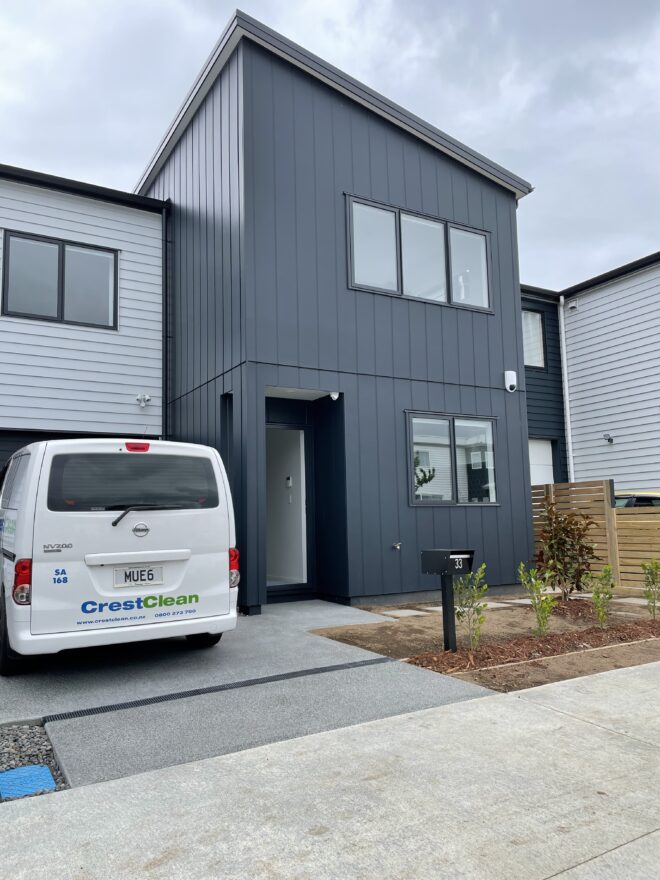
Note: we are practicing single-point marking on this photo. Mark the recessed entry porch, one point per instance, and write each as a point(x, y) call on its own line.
point(305, 490)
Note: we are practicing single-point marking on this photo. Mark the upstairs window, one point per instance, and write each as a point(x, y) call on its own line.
point(395, 251)
point(59, 281)
point(533, 339)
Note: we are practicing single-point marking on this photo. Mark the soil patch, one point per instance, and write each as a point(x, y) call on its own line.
point(532, 673)
point(408, 636)
point(523, 660)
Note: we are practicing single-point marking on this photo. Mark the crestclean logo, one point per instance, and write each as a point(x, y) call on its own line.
point(93, 607)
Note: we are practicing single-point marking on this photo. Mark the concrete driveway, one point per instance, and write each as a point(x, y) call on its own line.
point(120, 711)
point(560, 781)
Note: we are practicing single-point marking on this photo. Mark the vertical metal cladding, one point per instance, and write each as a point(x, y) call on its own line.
point(545, 402)
point(260, 298)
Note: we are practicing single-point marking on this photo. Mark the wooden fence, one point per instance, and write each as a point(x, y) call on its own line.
point(638, 530)
point(624, 537)
point(595, 499)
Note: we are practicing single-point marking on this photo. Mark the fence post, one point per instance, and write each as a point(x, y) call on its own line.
point(611, 532)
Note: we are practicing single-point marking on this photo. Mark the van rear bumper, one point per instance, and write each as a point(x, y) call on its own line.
point(24, 642)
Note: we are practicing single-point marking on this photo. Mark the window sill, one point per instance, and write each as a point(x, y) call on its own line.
point(452, 504)
point(114, 328)
point(482, 310)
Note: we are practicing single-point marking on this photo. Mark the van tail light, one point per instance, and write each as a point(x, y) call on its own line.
point(234, 573)
point(137, 447)
point(22, 589)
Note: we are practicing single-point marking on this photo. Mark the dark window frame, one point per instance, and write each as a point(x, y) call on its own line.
point(447, 224)
point(410, 451)
point(62, 244)
point(544, 368)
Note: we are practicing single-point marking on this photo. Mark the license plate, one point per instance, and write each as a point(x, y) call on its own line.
point(139, 576)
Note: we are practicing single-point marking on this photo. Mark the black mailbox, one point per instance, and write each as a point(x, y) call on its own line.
point(448, 564)
point(453, 562)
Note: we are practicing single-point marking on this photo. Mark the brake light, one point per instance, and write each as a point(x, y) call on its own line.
point(137, 447)
point(22, 589)
point(234, 573)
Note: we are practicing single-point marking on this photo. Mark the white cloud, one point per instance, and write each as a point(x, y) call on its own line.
point(566, 96)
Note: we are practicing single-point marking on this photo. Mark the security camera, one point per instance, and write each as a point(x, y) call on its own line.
point(334, 395)
point(510, 380)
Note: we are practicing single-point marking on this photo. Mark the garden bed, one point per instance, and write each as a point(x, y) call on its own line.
point(511, 656)
point(533, 647)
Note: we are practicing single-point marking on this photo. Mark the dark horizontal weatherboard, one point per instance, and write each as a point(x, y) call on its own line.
point(243, 26)
point(77, 187)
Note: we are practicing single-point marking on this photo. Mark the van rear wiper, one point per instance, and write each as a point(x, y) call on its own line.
point(131, 507)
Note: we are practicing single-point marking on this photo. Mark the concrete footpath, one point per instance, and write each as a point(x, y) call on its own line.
point(559, 781)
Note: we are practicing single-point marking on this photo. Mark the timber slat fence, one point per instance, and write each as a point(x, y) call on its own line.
point(624, 537)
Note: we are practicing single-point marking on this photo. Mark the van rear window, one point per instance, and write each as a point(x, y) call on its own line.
point(116, 480)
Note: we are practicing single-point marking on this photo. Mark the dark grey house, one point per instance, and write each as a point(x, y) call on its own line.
point(544, 385)
point(344, 303)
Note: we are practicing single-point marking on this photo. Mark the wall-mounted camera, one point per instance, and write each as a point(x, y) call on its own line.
point(510, 380)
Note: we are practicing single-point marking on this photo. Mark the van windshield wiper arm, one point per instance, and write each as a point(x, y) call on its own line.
point(131, 507)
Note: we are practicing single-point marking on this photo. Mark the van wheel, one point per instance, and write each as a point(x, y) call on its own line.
point(203, 640)
point(10, 661)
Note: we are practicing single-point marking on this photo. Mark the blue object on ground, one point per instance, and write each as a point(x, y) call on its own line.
point(25, 780)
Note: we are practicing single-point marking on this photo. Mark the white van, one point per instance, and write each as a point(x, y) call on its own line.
point(109, 541)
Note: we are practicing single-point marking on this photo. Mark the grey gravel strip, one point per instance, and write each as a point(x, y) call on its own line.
point(214, 689)
point(22, 745)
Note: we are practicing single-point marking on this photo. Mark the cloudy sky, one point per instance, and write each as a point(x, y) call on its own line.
point(564, 93)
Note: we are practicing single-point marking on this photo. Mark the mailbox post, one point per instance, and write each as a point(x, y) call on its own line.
point(448, 564)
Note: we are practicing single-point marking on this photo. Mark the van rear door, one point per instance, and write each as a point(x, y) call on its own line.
point(98, 563)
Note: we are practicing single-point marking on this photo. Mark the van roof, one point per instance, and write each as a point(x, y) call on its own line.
point(91, 442)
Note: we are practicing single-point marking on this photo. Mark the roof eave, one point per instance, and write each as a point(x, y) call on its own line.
point(80, 188)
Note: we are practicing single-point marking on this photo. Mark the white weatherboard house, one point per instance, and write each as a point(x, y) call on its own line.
point(81, 325)
point(612, 346)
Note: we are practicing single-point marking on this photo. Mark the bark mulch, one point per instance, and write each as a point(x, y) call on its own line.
point(534, 647)
point(575, 609)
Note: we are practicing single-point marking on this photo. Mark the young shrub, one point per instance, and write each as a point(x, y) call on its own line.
point(602, 586)
point(565, 554)
point(469, 590)
point(652, 585)
point(536, 587)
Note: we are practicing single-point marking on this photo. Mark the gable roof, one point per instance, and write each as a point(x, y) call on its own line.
point(242, 26)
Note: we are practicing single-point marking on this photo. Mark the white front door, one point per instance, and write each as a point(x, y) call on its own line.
point(540, 462)
point(286, 507)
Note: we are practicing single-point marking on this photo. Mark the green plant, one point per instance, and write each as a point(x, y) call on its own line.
point(422, 475)
point(602, 586)
point(536, 587)
point(565, 554)
point(652, 585)
point(469, 590)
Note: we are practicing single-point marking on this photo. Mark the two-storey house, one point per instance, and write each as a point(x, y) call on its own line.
point(344, 305)
point(593, 366)
point(81, 330)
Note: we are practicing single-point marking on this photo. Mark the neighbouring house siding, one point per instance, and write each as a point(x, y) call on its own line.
point(545, 396)
point(62, 378)
point(613, 358)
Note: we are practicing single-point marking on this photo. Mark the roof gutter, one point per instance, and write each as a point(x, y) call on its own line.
point(566, 391)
